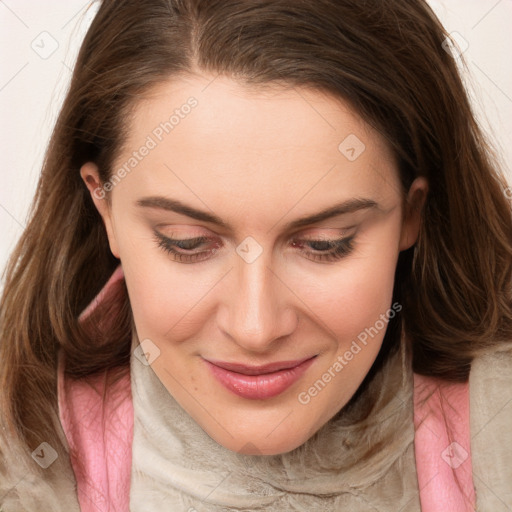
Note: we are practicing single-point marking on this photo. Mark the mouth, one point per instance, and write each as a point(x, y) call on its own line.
point(259, 382)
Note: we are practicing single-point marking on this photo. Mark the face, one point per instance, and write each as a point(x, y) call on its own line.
point(259, 232)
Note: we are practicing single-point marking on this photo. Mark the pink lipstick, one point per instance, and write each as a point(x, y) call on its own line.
point(259, 382)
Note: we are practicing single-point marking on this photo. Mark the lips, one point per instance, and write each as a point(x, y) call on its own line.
point(259, 382)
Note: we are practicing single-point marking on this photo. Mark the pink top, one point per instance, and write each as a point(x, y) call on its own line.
point(442, 445)
point(98, 423)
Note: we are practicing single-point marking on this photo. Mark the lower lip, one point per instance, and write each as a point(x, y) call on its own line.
point(259, 387)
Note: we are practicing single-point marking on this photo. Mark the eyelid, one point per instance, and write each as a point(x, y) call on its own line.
point(310, 233)
point(340, 234)
point(337, 233)
point(182, 231)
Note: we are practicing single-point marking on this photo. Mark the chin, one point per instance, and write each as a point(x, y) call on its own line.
point(258, 441)
point(252, 446)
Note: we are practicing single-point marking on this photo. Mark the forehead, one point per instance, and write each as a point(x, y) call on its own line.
point(209, 135)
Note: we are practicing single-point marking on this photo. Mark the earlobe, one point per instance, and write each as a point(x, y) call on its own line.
point(90, 175)
point(415, 201)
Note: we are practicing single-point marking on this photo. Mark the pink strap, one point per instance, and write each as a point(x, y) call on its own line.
point(442, 445)
point(97, 419)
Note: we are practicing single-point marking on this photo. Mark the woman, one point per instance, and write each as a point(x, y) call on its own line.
point(268, 268)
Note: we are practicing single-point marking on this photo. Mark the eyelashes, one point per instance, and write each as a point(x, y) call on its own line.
point(170, 246)
point(186, 250)
point(326, 250)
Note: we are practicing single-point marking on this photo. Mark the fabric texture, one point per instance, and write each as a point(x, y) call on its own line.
point(490, 382)
point(97, 418)
point(96, 413)
point(33, 488)
point(442, 444)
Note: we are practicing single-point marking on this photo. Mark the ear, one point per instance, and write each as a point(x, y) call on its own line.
point(91, 177)
point(414, 203)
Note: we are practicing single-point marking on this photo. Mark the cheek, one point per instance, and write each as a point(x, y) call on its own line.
point(356, 306)
point(161, 293)
point(351, 299)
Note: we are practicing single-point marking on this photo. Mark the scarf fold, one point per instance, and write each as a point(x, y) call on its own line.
point(490, 383)
point(361, 459)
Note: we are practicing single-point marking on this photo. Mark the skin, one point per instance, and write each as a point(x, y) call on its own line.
point(257, 159)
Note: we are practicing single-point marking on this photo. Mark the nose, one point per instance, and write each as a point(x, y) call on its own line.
point(258, 311)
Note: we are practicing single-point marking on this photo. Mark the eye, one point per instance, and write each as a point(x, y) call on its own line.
point(326, 250)
point(170, 246)
point(323, 250)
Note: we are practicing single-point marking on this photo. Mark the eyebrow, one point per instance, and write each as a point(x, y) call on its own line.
point(173, 205)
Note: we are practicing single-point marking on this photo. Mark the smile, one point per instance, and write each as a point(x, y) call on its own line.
point(259, 382)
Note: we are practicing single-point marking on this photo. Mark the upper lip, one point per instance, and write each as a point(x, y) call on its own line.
point(261, 369)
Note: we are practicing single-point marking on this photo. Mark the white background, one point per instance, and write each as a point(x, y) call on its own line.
point(32, 84)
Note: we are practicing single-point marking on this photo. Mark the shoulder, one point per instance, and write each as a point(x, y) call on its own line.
point(25, 488)
point(490, 385)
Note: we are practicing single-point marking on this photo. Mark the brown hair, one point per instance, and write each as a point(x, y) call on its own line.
point(385, 58)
